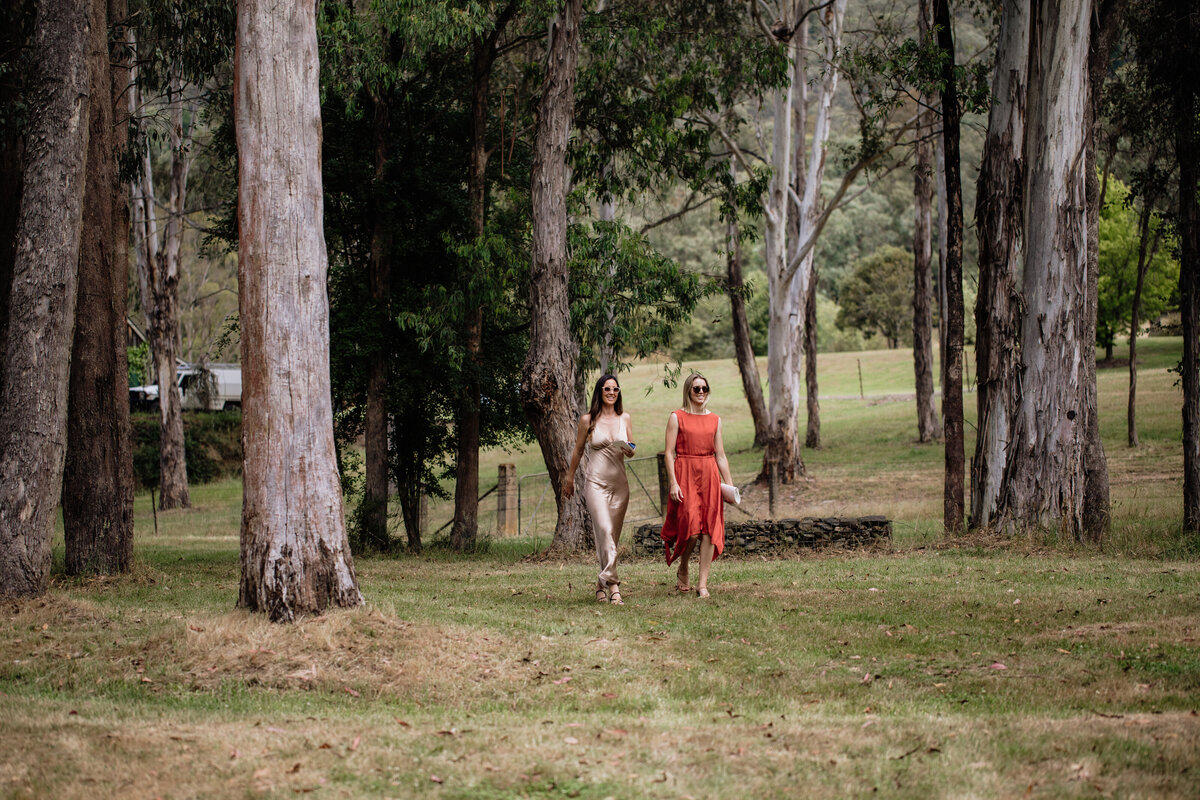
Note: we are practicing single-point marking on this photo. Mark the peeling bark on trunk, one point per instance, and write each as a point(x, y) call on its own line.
point(998, 306)
point(548, 377)
point(952, 397)
point(42, 301)
point(1044, 487)
point(295, 558)
point(97, 497)
point(375, 488)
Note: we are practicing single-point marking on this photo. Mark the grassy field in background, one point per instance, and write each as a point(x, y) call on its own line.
point(926, 669)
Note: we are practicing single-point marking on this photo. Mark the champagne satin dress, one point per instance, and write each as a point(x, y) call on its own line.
point(606, 493)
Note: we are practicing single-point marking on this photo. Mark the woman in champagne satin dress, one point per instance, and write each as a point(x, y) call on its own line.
point(606, 433)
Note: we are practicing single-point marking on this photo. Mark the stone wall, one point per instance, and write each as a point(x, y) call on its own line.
point(765, 536)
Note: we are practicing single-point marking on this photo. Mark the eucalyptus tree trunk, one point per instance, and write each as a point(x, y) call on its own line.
point(790, 268)
point(812, 437)
point(1044, 483)
point(375, 487)
point(548, 377)
point(1097, 509)
point(1187, 149)
point(33, 395)
point(747, 365)
point(999, 226)
point(1146, 253)
point(952, 394)
point(465, 531)
point(295, 558)
point(157, 264)
point(929, 427)
point(97, 497)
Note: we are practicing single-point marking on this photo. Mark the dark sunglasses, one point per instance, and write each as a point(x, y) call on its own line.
point(701, 389)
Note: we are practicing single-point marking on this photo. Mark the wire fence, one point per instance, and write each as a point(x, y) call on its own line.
point(537, 511)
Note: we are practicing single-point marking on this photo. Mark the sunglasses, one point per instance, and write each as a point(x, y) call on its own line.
point(612, 389)
point(701, 389)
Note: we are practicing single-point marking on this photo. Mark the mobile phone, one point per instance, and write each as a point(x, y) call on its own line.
point(632, 446)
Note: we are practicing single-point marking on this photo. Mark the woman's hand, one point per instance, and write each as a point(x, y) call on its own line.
point(568, 487)
point(676, 493)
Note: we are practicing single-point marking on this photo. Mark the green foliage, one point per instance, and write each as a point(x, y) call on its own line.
point(625, 294)
point(212, 443)
point(139, 364)
point(1119, 245)
point(877, 296)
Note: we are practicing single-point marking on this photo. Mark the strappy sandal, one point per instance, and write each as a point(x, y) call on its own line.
point(702, 594)
point(601, 595)
point(682, 585)
point(615, 599)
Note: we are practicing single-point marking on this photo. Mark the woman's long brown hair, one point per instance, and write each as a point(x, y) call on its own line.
point(598, 402)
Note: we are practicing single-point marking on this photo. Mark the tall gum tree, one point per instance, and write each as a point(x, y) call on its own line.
point(1044, 485)
point(929, 427)
point(789, 264)
point(295, 558)
point(97, 497)
point(156, 250)
point(999, 225)
point(33, 395)
point(548, 379)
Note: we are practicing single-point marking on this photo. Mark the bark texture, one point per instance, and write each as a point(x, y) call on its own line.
point(952, 393)
point(929, 426)
point(42, 301)
point(999, 224)
point(97, 497)
point(295, 558)
point(812, 436)
point(1044, 488)
point(548, 377)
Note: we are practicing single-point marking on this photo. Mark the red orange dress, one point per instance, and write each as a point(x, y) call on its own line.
point(701, 511)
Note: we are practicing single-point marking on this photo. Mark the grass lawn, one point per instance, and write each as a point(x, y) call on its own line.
point(970, 669)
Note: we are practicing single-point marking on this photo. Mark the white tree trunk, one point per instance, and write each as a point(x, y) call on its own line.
point(294, 554)
point(789, 268)
point(1046, 473)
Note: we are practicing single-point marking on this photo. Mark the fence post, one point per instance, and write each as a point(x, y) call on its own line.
point(772, 485)
point(664, 483)
point(506, 500)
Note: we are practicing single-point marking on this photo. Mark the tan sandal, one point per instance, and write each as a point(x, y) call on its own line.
point(601, 595)
point(615, 598)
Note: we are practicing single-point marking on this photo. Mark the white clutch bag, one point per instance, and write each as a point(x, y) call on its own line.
point(731, 494)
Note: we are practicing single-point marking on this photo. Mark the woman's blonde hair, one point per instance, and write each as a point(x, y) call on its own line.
point(687, 389)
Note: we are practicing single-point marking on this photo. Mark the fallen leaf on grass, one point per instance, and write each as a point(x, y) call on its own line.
point(196, 628)
point(401, 722)
point(571, 740)
point(436, 779)
point(295, 768)
point(351, 692)
point(997, 665)
point(563, 680)
point(1064, 652)
point(354, 744)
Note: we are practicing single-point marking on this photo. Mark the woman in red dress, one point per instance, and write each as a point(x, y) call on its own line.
point(696, 465)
